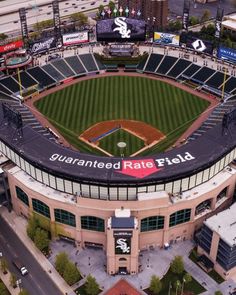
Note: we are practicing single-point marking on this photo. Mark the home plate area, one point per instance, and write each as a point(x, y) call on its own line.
point(137, 136)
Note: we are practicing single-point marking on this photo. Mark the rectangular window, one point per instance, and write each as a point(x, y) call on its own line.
point(64, 217)
point(179, 217)
point(92, 223)
point(68, 186)
point(152, 223)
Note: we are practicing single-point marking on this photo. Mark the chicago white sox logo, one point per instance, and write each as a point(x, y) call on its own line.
point(122, 244)
point(122, 27)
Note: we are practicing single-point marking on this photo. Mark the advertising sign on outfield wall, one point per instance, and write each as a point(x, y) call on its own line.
point(11, 46)
point(75, 38)
point(166, 39)
point(227, 54)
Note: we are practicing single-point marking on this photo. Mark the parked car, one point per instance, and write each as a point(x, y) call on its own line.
point(20, 266)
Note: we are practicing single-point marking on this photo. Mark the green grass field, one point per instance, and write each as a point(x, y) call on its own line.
point(76, 108)
point(133, 143)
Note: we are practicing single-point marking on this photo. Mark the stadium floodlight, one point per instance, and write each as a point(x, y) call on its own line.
point(115, 11)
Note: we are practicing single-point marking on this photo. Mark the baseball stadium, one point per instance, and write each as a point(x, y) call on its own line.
point(97, 155)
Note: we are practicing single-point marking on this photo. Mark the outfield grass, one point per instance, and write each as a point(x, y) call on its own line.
point(76, 108)
point(109, 143)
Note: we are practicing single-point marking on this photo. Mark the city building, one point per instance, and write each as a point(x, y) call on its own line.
point(218, 242)
point(154, 12)
point(229, 22)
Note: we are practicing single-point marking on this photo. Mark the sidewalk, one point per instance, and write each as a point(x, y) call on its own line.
point(18, 224)
point(6, 280)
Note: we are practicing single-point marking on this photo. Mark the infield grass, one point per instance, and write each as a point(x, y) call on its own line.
point(76, 108)
point(133, 143)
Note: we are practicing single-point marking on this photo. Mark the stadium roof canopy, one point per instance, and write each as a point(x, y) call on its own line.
point(174, 164)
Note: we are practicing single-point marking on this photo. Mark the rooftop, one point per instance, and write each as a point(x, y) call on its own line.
point(225, 224)
point(122, 287)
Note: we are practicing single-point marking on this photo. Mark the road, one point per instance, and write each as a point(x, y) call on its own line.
point(11, 22)
point(176, 7)
point(37, 282)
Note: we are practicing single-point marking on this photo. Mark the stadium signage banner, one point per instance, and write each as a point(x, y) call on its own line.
point(198, 44)
point(11, 46)
point(122, 242)
point(166, 39)
point(121, 29)
point(186, 10)
point(75, 38)
point(43, 45)
point(136, 168)
point(227, 54)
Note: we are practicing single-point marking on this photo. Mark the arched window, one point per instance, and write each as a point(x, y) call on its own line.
point(203, 206)
point(65, 217)
point(21, 195)
point(122, 259)
point(41, 208)
point(92, 223)
point(179, 217)
point(152, 223)
point(222, 194)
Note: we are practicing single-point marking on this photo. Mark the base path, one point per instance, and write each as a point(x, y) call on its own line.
point(140, 129)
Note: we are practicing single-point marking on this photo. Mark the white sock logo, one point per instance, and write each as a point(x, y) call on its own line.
point(122, 27)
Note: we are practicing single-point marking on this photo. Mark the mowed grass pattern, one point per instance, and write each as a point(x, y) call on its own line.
point(78, 107)
point(133, 143)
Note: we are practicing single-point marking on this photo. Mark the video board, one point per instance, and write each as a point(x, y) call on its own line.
point(121, 29)
point(166, 39)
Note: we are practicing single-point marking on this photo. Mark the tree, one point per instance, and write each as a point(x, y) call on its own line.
point(3, 265)
point(3, 36)
point(193, 20)
point(91, 286)
point(33, 224)
point(79, 18)
point(218, 293)
point(13, 280)
point(23, 292)
point(155, 285)
point(71, 273)
point(187, 278)
point(111, 5)
point(3, 289)
point(41, 239)
point(61, 262)
point(177, 265)
point(205, 16)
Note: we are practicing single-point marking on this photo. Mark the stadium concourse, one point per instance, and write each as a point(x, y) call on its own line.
point(93, 201)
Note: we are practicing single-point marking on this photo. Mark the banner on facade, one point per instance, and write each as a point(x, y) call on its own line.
point(11, 46)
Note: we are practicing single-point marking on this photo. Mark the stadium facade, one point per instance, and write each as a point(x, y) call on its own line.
point(121, 205)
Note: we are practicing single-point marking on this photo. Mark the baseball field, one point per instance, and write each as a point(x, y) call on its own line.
point(78, 107)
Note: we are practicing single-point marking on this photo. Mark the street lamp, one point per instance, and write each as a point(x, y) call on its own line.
point(170, 287)
point(182, 291)
point(177, 286)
